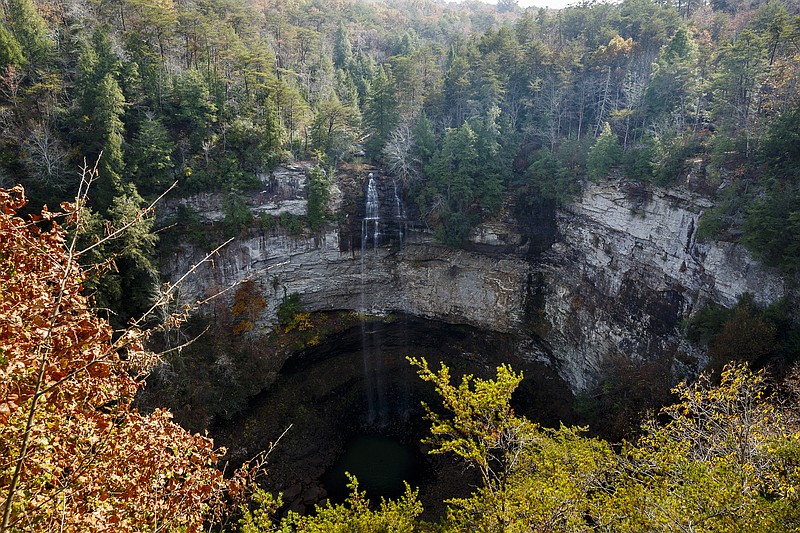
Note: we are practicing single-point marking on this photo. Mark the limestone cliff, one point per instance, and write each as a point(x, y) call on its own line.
point(628, 269)
point(625, 270)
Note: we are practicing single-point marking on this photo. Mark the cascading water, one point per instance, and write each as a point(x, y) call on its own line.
point(374, 374)
point(399, 214)
point(372, 212)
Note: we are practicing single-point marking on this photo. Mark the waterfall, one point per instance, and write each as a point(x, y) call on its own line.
point(399, 214)
point(371, 213)
point(398, 205)
point(374, 372)
point(373, 202)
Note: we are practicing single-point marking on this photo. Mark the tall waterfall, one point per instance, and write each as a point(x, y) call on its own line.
point(371, 213)
point(399, 213)
point(374, 372)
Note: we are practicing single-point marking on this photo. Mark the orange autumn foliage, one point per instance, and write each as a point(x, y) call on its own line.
point(93, 463)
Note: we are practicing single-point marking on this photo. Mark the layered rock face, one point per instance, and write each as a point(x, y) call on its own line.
point(405, 271)
point(625, 271)
point(628, 269)
point(421, 279)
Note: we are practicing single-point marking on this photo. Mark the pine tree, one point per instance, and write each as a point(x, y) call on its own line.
point(604, 154)
point(30, 31)
point(342, 49)
point(380, 113)
point(150, 158)
point(10, 50)
point(106, 120)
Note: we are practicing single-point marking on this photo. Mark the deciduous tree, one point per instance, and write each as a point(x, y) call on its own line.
point(75, 455)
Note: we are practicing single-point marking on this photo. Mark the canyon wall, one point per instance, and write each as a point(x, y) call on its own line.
point(626, 269)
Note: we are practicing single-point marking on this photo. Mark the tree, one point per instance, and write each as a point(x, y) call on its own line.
point(533, 479)
point(673, 90)
point(725, 460)
point(741, 71)
point(106, 119)
point(424, 140)
point(604, 154)
point(548, 180)
point(483, 429)
point(195, 110)
point(318, 196)
point(10, 50)
point(356, 514)
point(399, 157)
point(342, 49)
point(380, 113)
point(335, 127)
point(30, 31)
point(150, 157)
point(248, 304)
point(76, 455)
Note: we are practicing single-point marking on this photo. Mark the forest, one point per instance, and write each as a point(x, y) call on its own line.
point(478, 110)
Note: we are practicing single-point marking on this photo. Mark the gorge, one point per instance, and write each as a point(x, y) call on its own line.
point(616, 276)
point(625, 268)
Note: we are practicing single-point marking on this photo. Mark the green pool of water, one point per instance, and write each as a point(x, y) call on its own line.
point(381, 465)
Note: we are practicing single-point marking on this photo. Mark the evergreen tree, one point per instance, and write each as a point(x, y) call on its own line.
point(380, 113)
point(10, 50)
point(424, 140)
point(604, 154)
point(318, 195)
point(195, 111)
point(106, 124)
point(30, 31)
point(342, 49)
point(150, 158)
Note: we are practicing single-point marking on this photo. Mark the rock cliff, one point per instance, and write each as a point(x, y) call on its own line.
point(625, 271)
point(628, 269)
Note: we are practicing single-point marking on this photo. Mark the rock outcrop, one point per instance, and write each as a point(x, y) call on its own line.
point(421, 278)
point(625, 271)
point(628, 269)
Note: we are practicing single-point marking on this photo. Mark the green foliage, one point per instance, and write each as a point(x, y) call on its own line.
point(357, 515)
point(10, 49)
point(258, 516)
point(720, 462)
point(604, 154)
point(673, 91)
point(726, 447)
point(746, 332)
point(289, 307)
point(318, 196)
point(424, 140)
point(342, 49)
point(463, 181)
point(637, 161)
point(482, 427)
point(772, 222)
point(380, 112)
point(707, 322)
point(780, 147)
point(670, 155)
point(150, 158)
point(335, 128)
point(238, 216)
point(548, 180)
point(254, 144)
point(30, 31)
point(194, 110)
point(726, 215)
